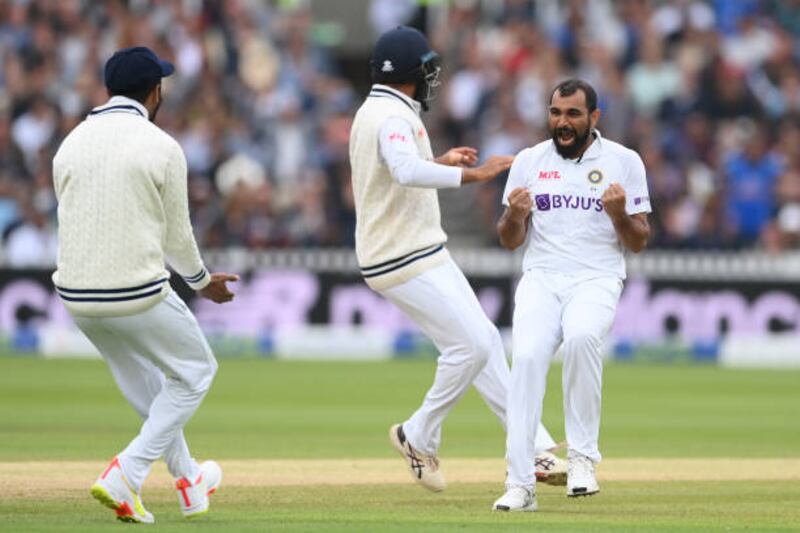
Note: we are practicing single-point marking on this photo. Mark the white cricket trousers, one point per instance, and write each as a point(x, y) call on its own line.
point(164, 367)
point(442, 303)
point(550, 308)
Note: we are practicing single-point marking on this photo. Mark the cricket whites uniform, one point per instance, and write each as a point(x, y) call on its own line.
point(573, 271)
point(123, 208)
point(401, 253)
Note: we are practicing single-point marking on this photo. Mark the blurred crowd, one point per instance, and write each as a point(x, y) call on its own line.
point(708, 92)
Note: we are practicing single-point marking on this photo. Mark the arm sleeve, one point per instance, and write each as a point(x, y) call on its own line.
point(637, 197)
point(399, 152)
point(179, 244)
point(516, 177)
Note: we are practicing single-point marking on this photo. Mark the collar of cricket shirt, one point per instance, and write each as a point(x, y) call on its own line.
point(384, 91)
point(120, 104)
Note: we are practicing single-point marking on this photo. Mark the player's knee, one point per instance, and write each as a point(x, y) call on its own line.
point(199, 381)
point(208, 377)
point(142, 409)
point(531, 358)
point(584, 341)
point(481, 346)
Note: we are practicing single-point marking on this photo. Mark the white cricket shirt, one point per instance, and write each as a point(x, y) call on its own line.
point(569, 231)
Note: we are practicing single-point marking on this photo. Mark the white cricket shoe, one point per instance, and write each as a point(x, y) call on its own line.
point(113, 490)
point(193, 496)
point(580, 476)
point(516, 498)
point(551, 469)
point(424, 468)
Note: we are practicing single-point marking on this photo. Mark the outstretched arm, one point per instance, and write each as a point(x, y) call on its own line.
point(401, 155)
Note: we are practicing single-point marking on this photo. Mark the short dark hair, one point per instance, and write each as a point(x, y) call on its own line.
point(569, 87)
point(140, 95)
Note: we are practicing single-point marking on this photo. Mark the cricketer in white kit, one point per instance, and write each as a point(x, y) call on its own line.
point(121, 185)
point(580, 201)
point(400, 246)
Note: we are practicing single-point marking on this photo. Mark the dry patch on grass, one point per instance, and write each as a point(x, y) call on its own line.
point(57, 479)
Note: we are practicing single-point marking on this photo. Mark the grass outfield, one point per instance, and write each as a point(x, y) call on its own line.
point(71, 412)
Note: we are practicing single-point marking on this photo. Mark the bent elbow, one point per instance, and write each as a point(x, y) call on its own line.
point(508, 244)
point(401, 178)
point(638, 246)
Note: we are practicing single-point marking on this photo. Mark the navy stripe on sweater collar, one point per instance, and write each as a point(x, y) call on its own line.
point(100, 111)
point(120, 104)
point(383, 91)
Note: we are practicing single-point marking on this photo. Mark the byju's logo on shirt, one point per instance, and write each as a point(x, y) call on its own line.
point(546, 202)
point(542, 202)
point(549, 175)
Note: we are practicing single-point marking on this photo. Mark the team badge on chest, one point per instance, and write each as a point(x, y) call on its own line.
point(595, 177)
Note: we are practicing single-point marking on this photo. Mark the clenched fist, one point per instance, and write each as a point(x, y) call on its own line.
point(519, 203)
point(614, 201)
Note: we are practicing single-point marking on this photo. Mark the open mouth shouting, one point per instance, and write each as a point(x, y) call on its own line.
point(569, 141)
point(565, 135)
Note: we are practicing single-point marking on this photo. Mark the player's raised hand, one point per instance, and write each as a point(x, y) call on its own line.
point(461, 156)
point(614, 201)
point(519, 203)
point(217, 290)
point(488, 170)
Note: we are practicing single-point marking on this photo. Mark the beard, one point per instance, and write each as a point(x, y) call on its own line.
point(570, 151)
point(155, 111)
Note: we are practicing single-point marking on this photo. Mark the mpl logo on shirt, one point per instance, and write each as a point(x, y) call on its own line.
point(549, 175)
point(546, 202)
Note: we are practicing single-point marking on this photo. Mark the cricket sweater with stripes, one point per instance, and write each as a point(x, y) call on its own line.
point(121, 185)
point(398, 228)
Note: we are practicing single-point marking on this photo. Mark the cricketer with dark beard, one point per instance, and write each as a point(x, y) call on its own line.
point(572, 117)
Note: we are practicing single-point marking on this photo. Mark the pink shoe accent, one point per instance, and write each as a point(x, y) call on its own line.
point(124, 510)
point(182, 484)
point(114, 463)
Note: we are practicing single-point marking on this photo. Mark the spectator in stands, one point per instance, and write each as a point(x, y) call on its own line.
point(31, 242)
point(652, 80)
point(750, 179)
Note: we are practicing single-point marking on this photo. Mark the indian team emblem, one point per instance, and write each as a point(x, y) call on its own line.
point(595, 177)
